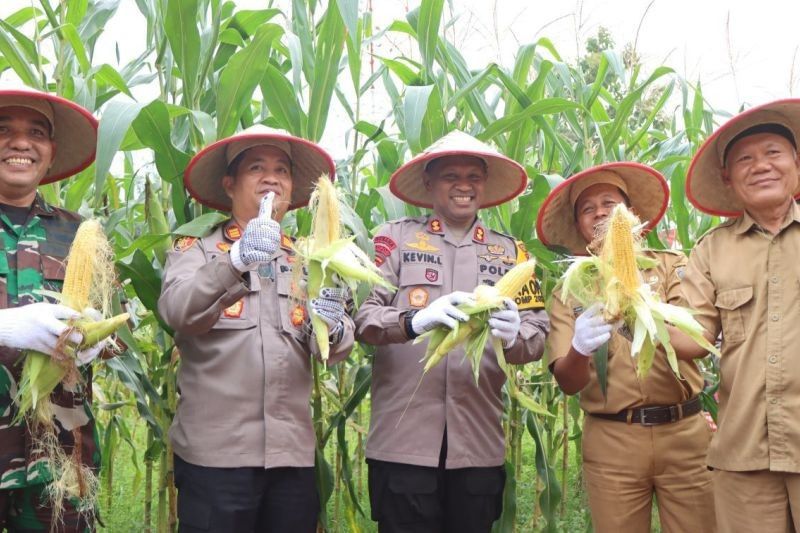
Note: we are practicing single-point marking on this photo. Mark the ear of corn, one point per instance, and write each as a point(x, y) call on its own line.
point(475, 332)
point(613, 279)
point(326, 253)
point(87, 283)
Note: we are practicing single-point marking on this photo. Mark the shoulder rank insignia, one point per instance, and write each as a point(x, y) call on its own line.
point(422, 243)
point(233, 232)
point(479, 235)
point(224, 247)
point(435, 226)
point(182, 244)
point(234, 311)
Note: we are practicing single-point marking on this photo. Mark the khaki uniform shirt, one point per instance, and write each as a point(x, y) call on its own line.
point(745, 283)
point(420, 257)
point(625, 389)
point(245, 374)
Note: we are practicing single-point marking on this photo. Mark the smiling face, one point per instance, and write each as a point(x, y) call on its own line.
point(259, 170)
point(594, 205)
point(26, 152)
point(762, 171)
point(456, 184)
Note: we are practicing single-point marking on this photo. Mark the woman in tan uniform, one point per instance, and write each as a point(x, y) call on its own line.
point(645, 436)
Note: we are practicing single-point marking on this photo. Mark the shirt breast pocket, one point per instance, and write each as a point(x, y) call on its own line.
point(419, 285)
point(53, 270)
point(734, 313)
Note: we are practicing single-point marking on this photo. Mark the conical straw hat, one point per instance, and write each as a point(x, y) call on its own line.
point(203, 176)
point(645, 187)
point(506, 178)
point(704, 185)
point(73, 129)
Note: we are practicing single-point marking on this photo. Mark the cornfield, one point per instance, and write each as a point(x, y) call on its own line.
point(211, 69)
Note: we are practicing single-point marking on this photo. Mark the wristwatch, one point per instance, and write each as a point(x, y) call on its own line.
point(409, 315)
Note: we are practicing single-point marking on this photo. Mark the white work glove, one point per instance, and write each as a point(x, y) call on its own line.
point(260, 239)
point(330, 307)
point(87, 355)
point(505, 323)
point(36, 326)
point(441, 311)
point(591, 331)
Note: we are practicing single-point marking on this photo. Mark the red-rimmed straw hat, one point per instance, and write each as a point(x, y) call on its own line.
point(704, 185)
point(72, 127)
point(203, 176)
point(506, 179)
point(645, 187)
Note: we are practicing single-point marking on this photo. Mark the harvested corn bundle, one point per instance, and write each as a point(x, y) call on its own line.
point(326, 252)
point(87, 287)
point(476, 332)
point(613, 279)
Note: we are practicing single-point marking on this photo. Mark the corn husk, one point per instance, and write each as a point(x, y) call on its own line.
point(612, 278)
point(331, 259)
point(475, 333)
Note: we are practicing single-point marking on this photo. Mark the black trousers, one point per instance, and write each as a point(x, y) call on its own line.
point(245, 500)
point(417, 499)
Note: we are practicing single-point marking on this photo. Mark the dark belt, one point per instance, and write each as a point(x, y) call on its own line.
point(656, 414)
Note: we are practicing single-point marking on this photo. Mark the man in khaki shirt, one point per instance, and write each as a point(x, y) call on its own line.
point(743, 280)
point(645, 437)
point(242, 435)
point(439, 466)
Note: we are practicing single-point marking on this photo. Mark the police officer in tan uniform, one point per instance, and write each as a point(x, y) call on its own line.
point(645, 437)
point(439, 467)
point(743, 280)
point(242, 434)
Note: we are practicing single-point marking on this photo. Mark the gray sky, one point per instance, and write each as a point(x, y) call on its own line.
point(743, 52)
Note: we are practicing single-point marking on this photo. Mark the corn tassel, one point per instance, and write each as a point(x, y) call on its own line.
point(613, 279)
point(326, 253)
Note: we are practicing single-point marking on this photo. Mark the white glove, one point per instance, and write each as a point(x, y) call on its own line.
point(441, 311)
point(87, 355)
point(36, 326)
point(591, 331)
point(260, 239)
point(505, 323)
point(330, 307)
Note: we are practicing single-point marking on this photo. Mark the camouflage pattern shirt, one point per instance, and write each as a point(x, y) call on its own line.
point(32, 258)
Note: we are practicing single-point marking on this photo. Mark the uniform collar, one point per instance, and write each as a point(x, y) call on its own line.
point(746, 222)
point(436, 226)
point(41, 208)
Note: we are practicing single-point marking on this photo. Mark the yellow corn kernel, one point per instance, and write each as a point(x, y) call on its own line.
point(516, 278)
point(326, 220)
point(80, 265)
point(618, 248)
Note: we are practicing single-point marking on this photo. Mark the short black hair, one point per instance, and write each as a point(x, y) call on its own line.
point(769, 127)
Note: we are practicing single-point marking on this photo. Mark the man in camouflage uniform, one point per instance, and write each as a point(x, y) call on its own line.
point(439, 466)
point(43, 138)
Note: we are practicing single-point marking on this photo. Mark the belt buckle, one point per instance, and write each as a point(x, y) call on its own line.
point(643, 416)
